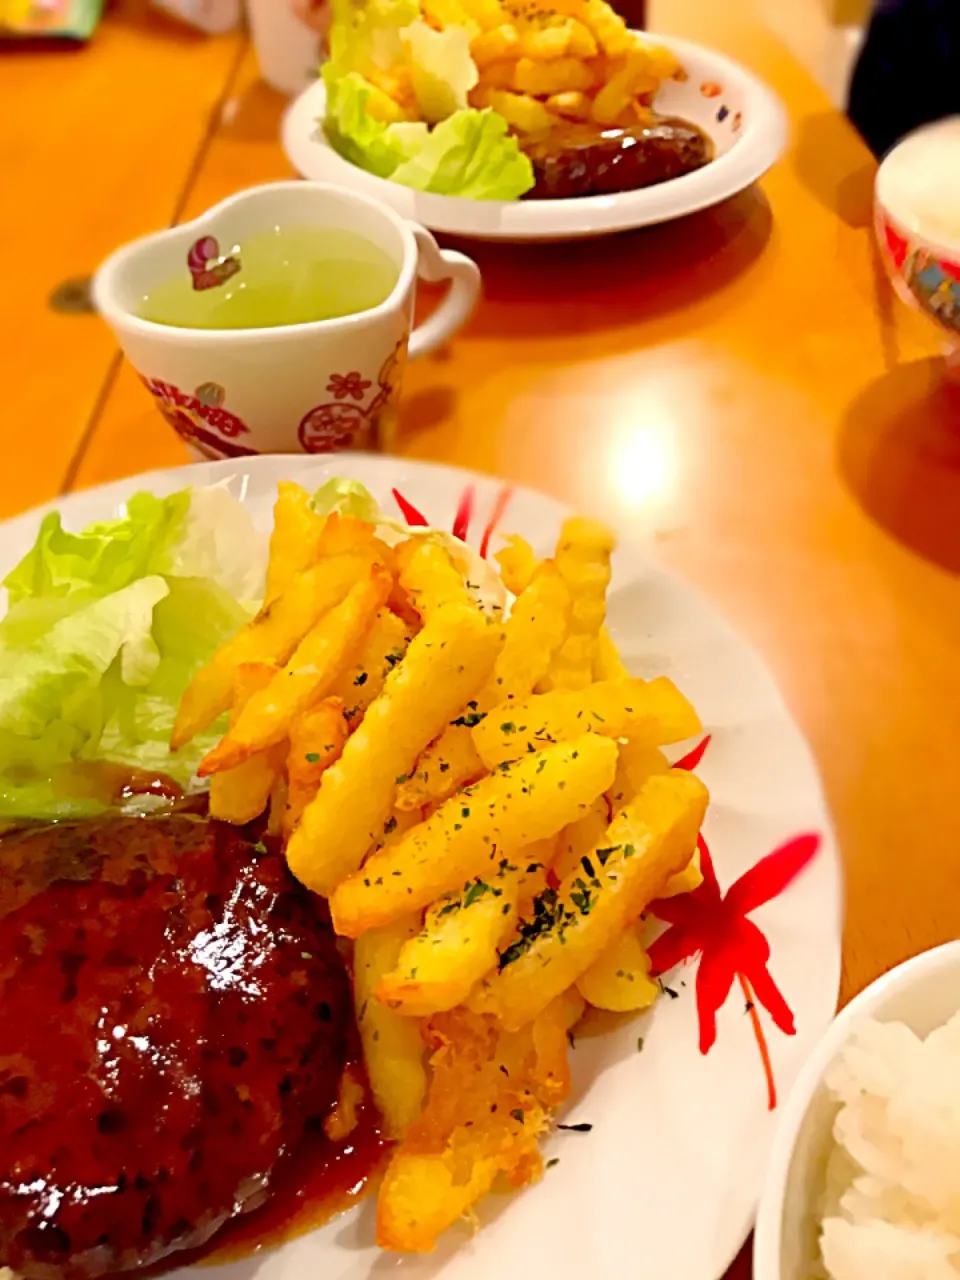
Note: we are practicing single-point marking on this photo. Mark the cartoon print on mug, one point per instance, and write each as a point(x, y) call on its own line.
point(190, 416)
point(340, 424)
point(208, 268)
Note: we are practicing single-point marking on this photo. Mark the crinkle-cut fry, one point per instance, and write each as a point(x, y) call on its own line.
point(610, 30)
point(569, 106)
point(619, 979)
point(318, 660)
point(638, 761)
point(545, 42)
point(654, 711)
point(540, 79)
point(518, 563)
point(271, 636)
point(646, 843)
point(295, 538)
point(474, 832)
point(522, 111)
point(633, 78)
point(685, 881)
point(316, 741)
point(429, 577)
point(347, 535)
point(393, 1048)
point(664, 63)
point(458, 942)
point(532, 634)
point(444, 666)
point(581, 837)
point(582, 43)
point(489, 1095)
point(583, 558)
point(607, 663)
point(495, 45)
point(239, 795)
point(384, 646)
point(489, 15)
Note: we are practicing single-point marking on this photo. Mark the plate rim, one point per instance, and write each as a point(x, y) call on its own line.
point(211, 472)
point(761, 143)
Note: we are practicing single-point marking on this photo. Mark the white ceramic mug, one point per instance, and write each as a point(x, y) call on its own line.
point(314, 388)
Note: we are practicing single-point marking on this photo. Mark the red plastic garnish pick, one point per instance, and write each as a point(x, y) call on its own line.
point(461, 521)
point(496, 515)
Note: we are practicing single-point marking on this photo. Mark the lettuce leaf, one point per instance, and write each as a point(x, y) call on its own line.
point(442, 71)
point(469, 154)
point(103, 631)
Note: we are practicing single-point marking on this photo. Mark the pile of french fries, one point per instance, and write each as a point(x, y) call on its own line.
point(540, 62)
point(482, 796)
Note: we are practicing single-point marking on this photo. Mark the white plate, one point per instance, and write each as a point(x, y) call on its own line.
point(744, 118)
point(666, 1184)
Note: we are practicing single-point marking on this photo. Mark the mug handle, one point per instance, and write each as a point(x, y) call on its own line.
point(437, 264)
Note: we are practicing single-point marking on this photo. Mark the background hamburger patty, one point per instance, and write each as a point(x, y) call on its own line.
point(172, 1011)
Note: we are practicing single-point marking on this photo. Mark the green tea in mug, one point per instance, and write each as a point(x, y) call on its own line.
point(292, 275)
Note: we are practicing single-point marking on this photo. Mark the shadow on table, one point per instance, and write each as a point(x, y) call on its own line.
point(899, 453)
point(534, 290)
point(835, 167)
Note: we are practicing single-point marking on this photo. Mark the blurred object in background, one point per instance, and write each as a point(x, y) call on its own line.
point(73, 19)
point(633, 11)
point(287, 37)
point(908, 72)
point(214, 16)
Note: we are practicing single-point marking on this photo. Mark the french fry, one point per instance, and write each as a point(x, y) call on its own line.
point(344, 1117)
point(441, 14)
point(458, 942)
point(313, 667)
point(346, 535)
point(393, 1049)
point(540, 79)
point(580, 838)
point(428, 576)
point(494, 45)
point(544, 42)
point(384, 646)
point(619, 979)
point(473, 832)
point(518, 562)
point(610, 30)
point(297, 529)
point(583, 559)
point(489, 15)
point(532, 634)
point(444, 666)
point(316, 741)
point(685, 881)
point(582, 43)
point(646, 843)
point(607, 663)
point(271, 636)
point(569, 106)
point(654, 711)
point(521, 110)
point(239, 795)
point(488, 1099)
point(638, 761)
point(633, 78)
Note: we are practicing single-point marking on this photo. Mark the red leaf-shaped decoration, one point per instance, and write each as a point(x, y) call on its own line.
point(461, 521)
point(771, 875)
point(409, 512)
point(755, 953)
point(714, 979)
point(693, 758)
point(496, 515)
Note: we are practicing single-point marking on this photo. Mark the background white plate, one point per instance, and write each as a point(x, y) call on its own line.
point(666, 1185)
point(744, 118)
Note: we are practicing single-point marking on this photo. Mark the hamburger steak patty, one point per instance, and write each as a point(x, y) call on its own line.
point(172, 1012)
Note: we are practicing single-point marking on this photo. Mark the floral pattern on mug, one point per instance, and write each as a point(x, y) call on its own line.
point(339, 424)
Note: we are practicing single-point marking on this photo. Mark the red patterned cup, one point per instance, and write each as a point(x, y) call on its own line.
point(314, 388)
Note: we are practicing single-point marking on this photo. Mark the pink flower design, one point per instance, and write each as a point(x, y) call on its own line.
point(342, 385)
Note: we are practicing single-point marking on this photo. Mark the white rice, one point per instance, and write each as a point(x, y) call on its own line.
point(892, 1207)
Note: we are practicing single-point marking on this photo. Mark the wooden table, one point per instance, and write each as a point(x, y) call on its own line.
point(741, 387)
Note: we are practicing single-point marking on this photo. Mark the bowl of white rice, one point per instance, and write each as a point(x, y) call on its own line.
point(864, 1177)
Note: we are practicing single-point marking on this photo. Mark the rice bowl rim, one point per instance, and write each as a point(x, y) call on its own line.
point(919, 969)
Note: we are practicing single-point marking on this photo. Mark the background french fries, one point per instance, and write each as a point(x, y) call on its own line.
point(483, 799)
point(474, 831)
point(444, 665)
